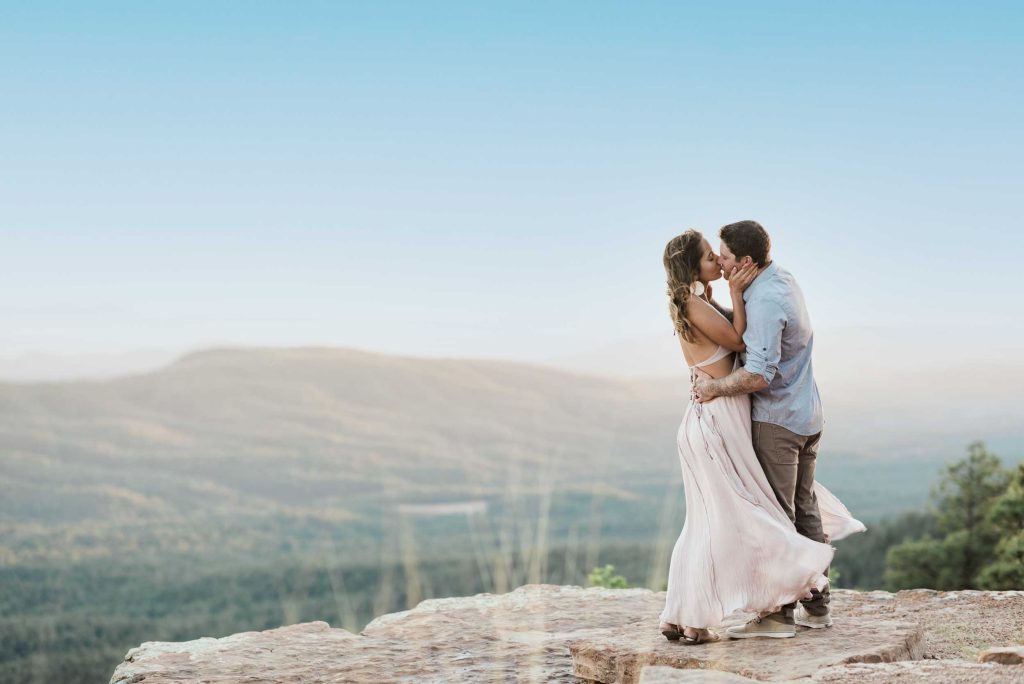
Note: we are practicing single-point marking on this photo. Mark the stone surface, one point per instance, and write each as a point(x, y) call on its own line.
point(957, 624)
point(904, 672)
point(921, 672)
point(1007, 655)
point(659, 674)
point(520, 636)
point(619, 655)
point(525, 636)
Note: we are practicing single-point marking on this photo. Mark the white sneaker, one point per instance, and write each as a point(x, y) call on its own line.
point(802, 617)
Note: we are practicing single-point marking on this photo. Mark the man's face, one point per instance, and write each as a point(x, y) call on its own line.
point(727, 260)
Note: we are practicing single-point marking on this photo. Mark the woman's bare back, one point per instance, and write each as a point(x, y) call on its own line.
point(702, 349)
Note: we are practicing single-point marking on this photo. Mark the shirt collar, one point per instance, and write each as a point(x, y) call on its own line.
point(764, 275)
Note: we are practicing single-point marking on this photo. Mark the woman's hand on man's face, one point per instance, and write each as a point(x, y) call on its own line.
point(741, 276)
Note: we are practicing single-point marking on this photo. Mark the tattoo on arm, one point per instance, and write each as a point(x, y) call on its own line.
point(737, 382)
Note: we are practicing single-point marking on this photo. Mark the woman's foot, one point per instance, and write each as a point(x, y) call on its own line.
point(693, 636)
point(690, 635)
point(671, 631)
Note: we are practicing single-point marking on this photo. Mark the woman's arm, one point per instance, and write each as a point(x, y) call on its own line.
point(705, 317)
point(715, 328)
point(722, 310)
point(763, 358)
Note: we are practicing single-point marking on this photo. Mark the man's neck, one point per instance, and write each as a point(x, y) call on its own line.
point(761, 270)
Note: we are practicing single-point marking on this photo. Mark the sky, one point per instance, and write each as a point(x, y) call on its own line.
point(496, 179)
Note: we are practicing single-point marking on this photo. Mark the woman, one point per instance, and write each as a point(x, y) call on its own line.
point(738, 549)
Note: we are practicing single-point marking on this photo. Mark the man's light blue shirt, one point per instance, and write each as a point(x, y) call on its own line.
point(779, 341)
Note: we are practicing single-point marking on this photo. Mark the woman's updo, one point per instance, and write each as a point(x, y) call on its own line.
point(682, 267)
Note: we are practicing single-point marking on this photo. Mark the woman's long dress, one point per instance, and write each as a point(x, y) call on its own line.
point(738, 549)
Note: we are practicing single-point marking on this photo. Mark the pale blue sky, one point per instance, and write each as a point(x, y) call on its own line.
point(494, 178)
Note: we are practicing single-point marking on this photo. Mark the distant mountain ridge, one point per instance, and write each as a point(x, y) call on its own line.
point(222, 438)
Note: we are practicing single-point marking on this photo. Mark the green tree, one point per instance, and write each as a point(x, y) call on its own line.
point(964, 501)
point(1007, 513)
point(1007, 572)
point(918, 563)
point(1007, 516)
point(862, 557)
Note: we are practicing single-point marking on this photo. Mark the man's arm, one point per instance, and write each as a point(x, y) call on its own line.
point(737, 382)
point(763, 340)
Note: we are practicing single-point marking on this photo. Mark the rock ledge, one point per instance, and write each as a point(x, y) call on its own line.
point(547, 633)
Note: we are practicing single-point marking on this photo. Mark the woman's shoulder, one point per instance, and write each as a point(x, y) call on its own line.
point(707, 310)
point(698, 304)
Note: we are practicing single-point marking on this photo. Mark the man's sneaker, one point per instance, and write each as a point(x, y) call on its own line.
point(802, 617)
point(773, 626)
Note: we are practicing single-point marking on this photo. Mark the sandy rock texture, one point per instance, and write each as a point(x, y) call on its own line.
point(621, 655)
point(1008, 655)
point(957, 624)
point(547, 633)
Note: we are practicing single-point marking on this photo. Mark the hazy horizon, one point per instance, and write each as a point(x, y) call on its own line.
point(848, 352)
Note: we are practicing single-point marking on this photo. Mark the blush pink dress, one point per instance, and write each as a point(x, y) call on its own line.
point(738, 549)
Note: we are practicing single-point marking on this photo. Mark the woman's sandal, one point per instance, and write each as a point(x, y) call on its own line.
point(673, 633)
point(708, 637)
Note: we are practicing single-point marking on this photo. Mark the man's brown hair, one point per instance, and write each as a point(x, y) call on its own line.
point(747, 238)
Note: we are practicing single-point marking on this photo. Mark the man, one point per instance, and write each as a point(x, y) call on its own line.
point(785, 406)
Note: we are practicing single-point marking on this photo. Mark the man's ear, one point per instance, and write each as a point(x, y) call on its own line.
point(746, 261)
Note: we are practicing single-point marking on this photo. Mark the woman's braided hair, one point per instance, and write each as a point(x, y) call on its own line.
point(682, 266)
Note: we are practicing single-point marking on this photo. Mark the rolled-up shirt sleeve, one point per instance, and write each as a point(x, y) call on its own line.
point(763, 338)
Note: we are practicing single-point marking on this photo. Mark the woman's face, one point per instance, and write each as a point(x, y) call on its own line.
point(709, 268)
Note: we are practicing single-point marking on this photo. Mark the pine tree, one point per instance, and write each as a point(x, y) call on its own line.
point(966, 494)
point(1007, 516)
point(964, 501)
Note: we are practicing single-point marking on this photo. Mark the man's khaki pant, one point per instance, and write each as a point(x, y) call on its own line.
point(788, 461)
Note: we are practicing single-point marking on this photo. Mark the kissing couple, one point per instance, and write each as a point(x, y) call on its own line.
point(758, 526)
